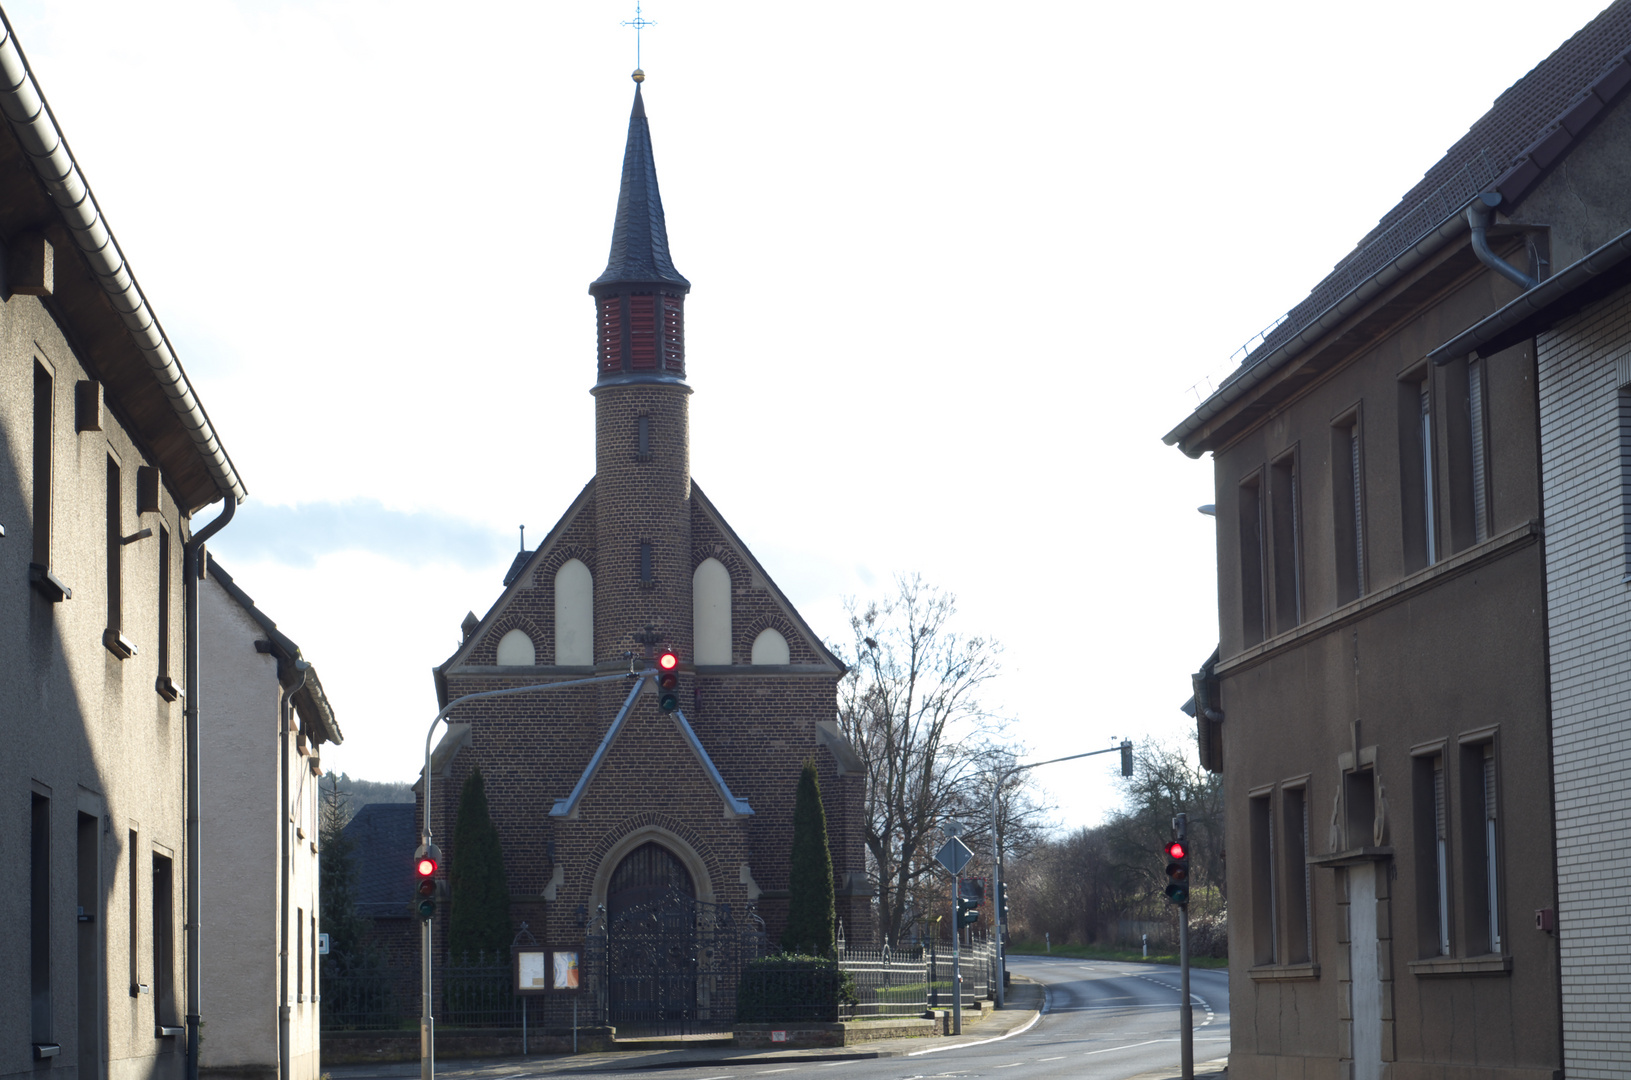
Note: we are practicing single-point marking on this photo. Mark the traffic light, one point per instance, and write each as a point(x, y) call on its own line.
point(668, 681)
point(1177, 853)
point(1002, 903)
point(968, 911)
point(426, 889)
point(1126, 758)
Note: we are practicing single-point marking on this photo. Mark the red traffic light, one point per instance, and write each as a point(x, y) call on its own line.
point(1175, 850)
point(425, 867)
point(668, 661)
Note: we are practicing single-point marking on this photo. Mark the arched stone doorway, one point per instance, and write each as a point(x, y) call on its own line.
point(651, 940)
point(647, 875)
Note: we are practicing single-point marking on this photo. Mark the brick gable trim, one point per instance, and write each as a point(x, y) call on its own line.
point(524, 580)
point(796, 623)
point(673, 834)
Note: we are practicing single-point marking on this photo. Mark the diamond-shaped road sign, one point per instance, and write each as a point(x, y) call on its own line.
point(954, 856)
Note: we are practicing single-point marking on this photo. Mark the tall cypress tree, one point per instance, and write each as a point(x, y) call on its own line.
point(480, 918)
point(810, 909)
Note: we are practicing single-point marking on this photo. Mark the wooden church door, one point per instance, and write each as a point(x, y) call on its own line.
point(651, 942)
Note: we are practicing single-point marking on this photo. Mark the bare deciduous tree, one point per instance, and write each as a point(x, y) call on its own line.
point(911, 707)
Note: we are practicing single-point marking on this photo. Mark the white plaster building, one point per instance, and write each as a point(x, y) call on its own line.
point(260, 841)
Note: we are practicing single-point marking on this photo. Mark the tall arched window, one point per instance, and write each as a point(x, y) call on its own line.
point(515, 649)
point(711, 612)
point(574, 614)
point(770, 648)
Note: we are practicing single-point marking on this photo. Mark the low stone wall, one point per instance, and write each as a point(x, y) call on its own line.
point(361, 1047)
point(842, 1033)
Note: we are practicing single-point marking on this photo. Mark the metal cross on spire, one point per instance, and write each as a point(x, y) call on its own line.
point(639, 23)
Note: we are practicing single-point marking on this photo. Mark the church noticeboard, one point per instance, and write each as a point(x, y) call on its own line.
point(547, 971)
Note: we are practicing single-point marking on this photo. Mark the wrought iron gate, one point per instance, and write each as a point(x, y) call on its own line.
point(670, 966)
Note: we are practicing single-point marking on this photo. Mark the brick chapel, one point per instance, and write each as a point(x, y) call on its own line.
point(596, 804)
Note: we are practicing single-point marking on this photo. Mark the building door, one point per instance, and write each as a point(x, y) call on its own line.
point(1366, 987)
point(92, 991)
point(651, 943)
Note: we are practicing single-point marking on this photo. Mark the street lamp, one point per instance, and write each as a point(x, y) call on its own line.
point(1124, 747)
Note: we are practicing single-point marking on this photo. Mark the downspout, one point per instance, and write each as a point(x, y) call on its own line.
point(192, 573)
point(285, 1052)
point(1478, 212)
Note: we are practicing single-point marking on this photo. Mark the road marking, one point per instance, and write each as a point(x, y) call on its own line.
point(790, 1068)
point(1010, 1065)
point(1046, 995)
point(1061, 1057)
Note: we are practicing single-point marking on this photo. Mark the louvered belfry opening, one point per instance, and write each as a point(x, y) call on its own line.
point(641, 333)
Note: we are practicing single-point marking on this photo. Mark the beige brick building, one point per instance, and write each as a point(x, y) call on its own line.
point(107, 455)
point(599, 802)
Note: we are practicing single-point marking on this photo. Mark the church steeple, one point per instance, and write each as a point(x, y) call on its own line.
point(640, 297)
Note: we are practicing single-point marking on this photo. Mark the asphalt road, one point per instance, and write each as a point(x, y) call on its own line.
point(1105, 1021)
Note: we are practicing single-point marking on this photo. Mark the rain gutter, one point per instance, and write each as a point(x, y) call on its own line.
point(1541, 307)
point(30, 117)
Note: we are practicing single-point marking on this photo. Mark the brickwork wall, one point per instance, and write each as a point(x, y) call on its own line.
point(1590, 642)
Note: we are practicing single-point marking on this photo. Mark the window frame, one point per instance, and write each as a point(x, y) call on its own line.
point(1481, 839)
point(1254, 602)
point(1348, 502)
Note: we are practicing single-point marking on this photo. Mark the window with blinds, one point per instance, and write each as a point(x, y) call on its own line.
point(1441, 851)
point(1429, 532)
point(643, 333)
point(674, 335)
point(1478, 438)
point(610, 334)
point(1491, 875)
point(1347, 507)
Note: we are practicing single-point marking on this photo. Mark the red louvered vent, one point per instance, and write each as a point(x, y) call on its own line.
point(643, 333)
point(674, 335)
point(611, 335)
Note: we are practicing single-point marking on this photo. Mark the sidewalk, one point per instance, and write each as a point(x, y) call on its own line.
point(1024, 1002)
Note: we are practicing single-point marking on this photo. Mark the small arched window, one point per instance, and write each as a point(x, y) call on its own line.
point(711, 612)
point(515, 649)
point(770, 648)
point(574, 614)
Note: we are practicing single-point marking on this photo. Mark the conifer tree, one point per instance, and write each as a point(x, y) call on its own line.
point(810, 909)
point(480, 917)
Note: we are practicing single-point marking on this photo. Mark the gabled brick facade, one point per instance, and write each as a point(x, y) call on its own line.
point(642, 529)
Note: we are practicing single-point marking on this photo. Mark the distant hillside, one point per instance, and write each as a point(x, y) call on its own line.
point(356, 794)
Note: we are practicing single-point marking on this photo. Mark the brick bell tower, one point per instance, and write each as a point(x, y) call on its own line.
point(642, 420)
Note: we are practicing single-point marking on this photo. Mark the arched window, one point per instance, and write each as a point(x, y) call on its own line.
point(515, 650)
point(770, 648)
point(711, 612)
point(574, 614)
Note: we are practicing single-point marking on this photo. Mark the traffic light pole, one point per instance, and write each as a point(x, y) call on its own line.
point(956, 957)
point(427, 1022)
point(996, 857)
point(1186, 1014)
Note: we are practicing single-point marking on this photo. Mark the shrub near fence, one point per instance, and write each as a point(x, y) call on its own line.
point(792, 988)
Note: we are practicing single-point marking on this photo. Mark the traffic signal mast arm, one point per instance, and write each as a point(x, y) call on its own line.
point(1125, 748)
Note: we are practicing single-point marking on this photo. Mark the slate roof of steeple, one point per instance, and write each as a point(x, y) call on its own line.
point(640, 235)
point(1528, 129)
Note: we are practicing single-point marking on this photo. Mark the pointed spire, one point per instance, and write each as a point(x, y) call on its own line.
point(640, 235)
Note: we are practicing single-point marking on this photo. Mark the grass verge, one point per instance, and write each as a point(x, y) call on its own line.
point(1099, 952)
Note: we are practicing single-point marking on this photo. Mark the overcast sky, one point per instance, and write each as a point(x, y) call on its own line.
point(954, 267)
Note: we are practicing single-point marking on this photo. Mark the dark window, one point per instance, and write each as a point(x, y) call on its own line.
point(42, 465)
point(645, 564)
point(1299, 895)
point(1479, 437)
point(1286, 521)
point(164, 985)
point(1347, 506)
point(135, 929)
point(643, 451)
point(164, 604)
point(88, 975)
point(1265, 905)
point(39, 918)
point(115, 531)
point(1418, 480)
point(300, 954)
point(1252, 583)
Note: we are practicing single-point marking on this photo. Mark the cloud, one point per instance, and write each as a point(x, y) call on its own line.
point(298, 535)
